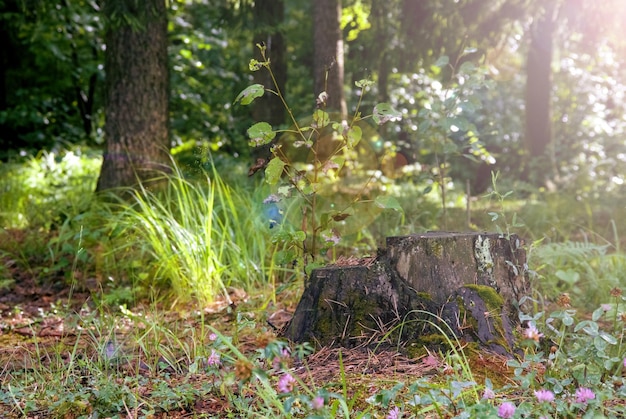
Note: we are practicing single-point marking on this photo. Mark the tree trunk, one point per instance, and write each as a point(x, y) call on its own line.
point(136, 107)
point(328, 54)
point(268, 16)
point(538, 131)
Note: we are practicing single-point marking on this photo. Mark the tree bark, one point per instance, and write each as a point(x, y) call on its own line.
point(328, 54)
point(136, 105)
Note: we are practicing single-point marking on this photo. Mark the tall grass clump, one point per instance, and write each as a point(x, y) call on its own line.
point(197, 236)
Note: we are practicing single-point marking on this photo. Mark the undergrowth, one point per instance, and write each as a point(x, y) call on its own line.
point(122, 355)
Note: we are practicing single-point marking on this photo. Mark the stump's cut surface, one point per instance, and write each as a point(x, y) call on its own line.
point(439, 263)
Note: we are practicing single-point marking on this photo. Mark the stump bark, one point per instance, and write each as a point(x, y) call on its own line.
point(424, 290)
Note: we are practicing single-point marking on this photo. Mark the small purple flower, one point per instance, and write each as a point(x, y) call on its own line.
point(544, 396)
point(317, 403)
point(332, 238)
point(286, 383)
point(488, 394)
point(212, 337)
point(394, 413)
point(214, 359)
point(583, 395)
point(606, 307)
point(506, 410)
point(624, 362)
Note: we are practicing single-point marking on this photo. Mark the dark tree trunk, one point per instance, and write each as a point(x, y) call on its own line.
point(328, 54)
point(269, 15)
point(136, 107)
point(538, 131)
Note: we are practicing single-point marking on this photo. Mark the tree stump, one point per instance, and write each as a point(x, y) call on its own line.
point(425, 290)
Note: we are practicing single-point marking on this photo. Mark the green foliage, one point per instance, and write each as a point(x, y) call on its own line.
point(45, 190)
point(330, 145)
point(584, 270)
point(54, 58)
point(207, 57)
point(438, 117)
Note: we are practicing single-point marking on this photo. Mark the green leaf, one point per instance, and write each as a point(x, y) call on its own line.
point(274, 171)
point(320, 118)
point(250, 93)
point(597, 314)
point(442, 61)
point(608, 338)
point(354, 136)
point(388, 202)
point(383, 112)
point(260, 134)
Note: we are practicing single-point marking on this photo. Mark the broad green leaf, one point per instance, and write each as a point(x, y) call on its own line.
point(354, 136)
point(250, 93)
point(383, 112)
point(466, 67)
point(608, 338)
point(388, 202)
point(442, 61)
point(260, 134)
point(339, 161)
point(320, 118)
point(274, 170)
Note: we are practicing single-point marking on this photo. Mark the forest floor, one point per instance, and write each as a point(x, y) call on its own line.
point(40, 329)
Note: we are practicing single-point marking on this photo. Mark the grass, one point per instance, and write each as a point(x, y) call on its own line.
point(200, 237)
point(127, 353)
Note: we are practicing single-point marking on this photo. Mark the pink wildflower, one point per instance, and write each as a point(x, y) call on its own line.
point(583, 395)
point(212, 337)
point(214, 359)
point(317, 403)
point(506, 410)
point(286, 383)
point(394, 413)
point(544, 396)
point(488, 394)
point(532, 333)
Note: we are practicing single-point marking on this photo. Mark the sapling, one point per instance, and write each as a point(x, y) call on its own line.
point(330, 144)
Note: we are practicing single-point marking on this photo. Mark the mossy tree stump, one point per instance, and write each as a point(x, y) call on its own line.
point(470, 281)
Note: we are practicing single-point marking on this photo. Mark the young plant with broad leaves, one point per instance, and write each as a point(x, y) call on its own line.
point(330, 144)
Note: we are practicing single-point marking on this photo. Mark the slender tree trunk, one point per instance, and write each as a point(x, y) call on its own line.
point(268, 16)
point(538, 131)
point(328, 54)
point(136, 107)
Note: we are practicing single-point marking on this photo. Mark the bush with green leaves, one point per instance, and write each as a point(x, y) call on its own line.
point(306, 162)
